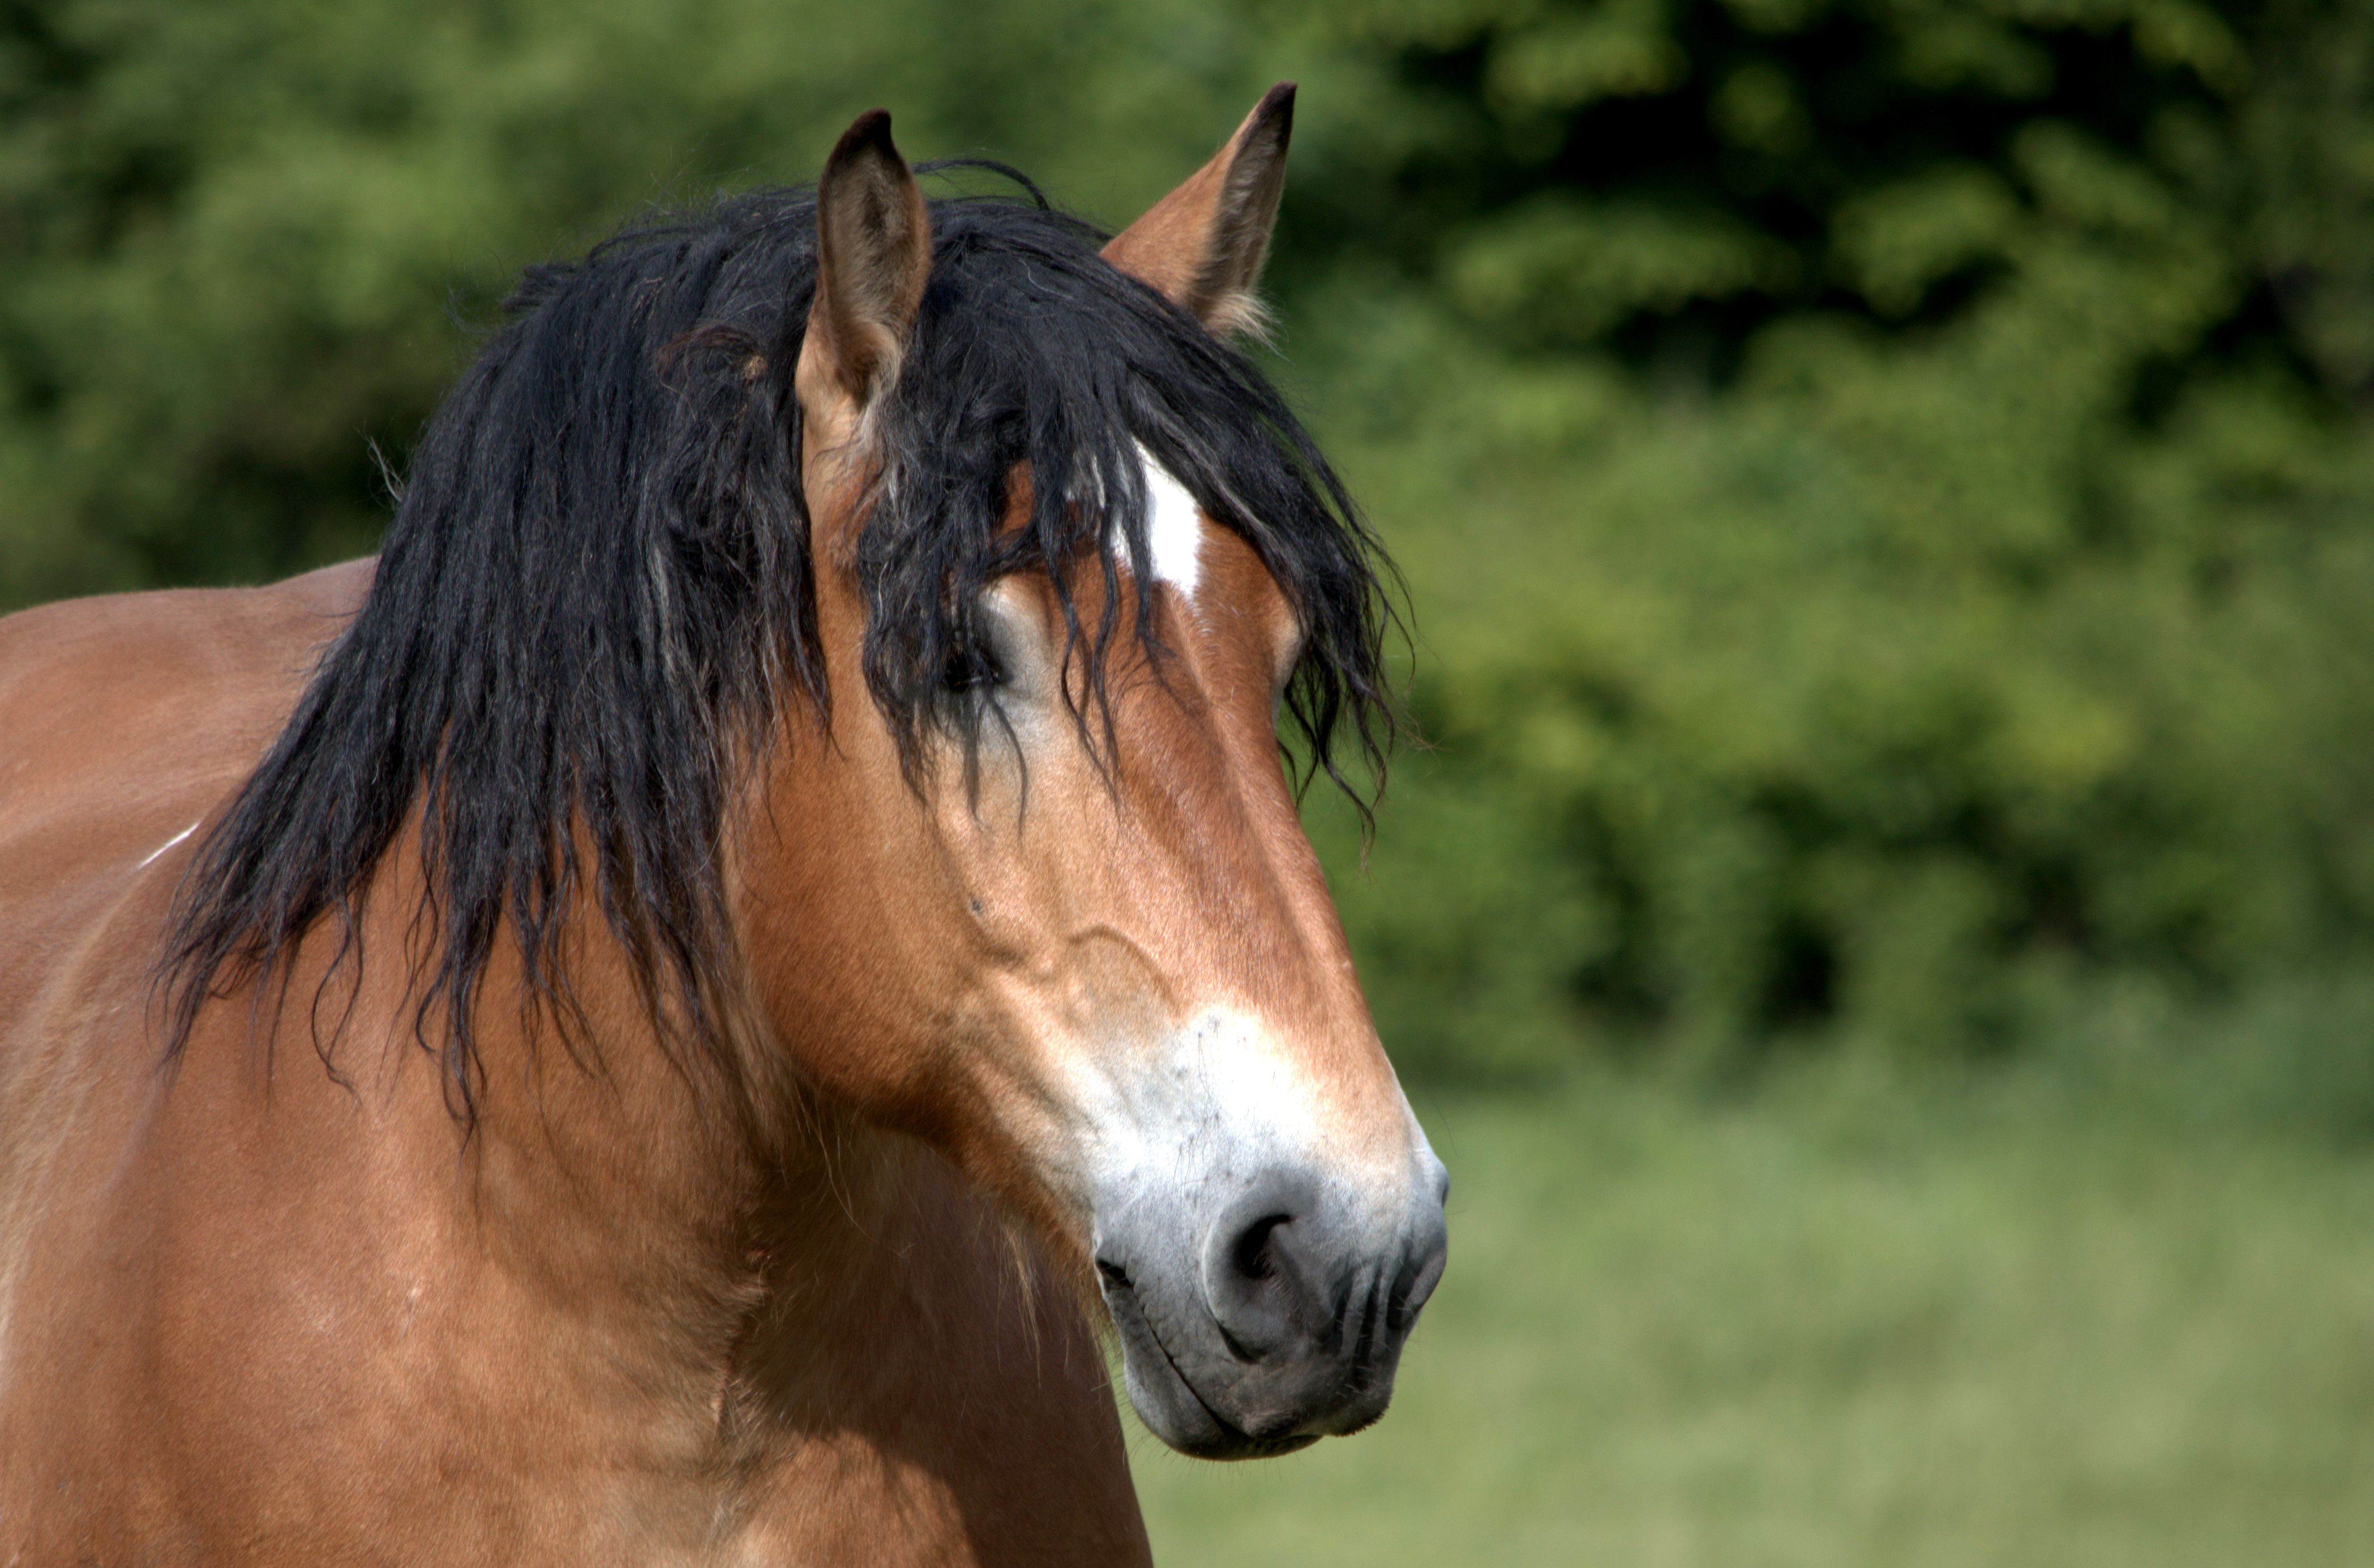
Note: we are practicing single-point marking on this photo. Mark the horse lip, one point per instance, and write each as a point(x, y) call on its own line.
point(1239, 1443)
point(1228, 1441)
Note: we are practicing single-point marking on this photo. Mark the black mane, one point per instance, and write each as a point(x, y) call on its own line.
point(597, 587)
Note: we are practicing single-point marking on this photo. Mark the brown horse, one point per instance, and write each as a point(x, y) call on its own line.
point(770, 913)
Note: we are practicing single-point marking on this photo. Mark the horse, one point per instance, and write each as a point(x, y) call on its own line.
point(681, 1012)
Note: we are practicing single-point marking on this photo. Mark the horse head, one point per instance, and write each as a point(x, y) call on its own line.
point(1045, 900)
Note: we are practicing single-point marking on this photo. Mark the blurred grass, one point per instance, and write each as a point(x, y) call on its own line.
point(1852, 1318)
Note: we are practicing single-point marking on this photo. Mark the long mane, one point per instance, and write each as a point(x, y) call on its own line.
point(597, 588)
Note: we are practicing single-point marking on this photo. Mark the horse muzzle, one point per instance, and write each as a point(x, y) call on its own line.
point(1277, 1316)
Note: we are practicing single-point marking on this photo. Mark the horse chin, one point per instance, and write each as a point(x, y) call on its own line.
point(1167, 1402)
point(1199, 1393)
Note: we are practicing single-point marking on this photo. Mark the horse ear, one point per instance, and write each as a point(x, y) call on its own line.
point(1201, 245)
point(874, 254)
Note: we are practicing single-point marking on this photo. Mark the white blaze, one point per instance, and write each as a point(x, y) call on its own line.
point(1174, 527)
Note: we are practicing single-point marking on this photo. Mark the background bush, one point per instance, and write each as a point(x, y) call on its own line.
point(1892, 490)
point(1884, 484)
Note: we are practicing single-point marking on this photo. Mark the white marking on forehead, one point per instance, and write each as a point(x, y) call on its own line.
point(168, 844)
point(1174, 527)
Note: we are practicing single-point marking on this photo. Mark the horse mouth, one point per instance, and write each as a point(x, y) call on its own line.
point(1236, 1443)
point(1156, 1381)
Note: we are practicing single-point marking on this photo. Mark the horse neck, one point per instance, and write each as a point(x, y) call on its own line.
point(629, 1203)
point(788, 1271)
point(811, 1284)
point(665, 1188)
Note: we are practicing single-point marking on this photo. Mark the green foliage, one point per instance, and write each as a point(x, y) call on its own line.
point(232, 235)
point(1886, 485)
point(1892, 490)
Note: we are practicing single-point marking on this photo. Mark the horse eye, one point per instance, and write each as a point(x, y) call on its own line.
point(972, 667)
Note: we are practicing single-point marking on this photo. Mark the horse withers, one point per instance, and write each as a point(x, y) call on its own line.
point(659, 1020)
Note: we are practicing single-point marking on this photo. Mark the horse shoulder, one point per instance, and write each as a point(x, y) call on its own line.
point(125, 721)
point(160, 698)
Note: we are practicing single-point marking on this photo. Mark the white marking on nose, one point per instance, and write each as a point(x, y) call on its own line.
point(168, 844)
point(1218, 1103)
point(1214, 1102)
point(1174, 526)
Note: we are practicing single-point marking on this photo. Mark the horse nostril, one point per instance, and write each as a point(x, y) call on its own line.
point(1260, 1280)
point(1252, 1254)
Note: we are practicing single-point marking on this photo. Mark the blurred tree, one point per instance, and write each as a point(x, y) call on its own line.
point(232, 236)
point(1886, 482)
point(1902, 470)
